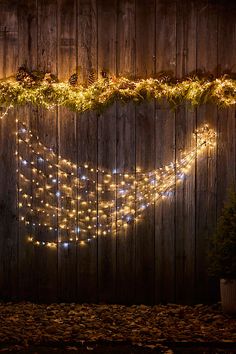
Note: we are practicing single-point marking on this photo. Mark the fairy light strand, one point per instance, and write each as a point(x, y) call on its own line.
point(4, 114)
point(67, 191)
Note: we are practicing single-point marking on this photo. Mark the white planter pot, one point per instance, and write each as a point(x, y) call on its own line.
point(228, 295)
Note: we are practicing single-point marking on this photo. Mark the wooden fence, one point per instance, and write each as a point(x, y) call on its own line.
point(162, 258)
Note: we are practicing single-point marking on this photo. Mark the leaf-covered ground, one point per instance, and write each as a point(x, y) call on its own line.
point(157, 327)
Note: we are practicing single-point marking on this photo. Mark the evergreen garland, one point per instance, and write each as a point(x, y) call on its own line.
point(47, 92)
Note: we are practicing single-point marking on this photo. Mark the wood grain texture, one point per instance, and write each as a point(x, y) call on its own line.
point(87, 39)
point(185, 126)
point(87, 132)
point(165, 211)
point(67, 142)
point(226, 118)
point(226, 129)
point(166, 37)
point(27, 25)
point(206, 165)
point(27, 56)
point(8, 165)
point(145, 132)
point(47, 128)
point(87, 286)
point(165, 153)
point(107, 145)
point(125, 148)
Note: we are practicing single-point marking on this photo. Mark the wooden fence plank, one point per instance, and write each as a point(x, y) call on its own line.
point(47, 127)
point(206, 164)
point(27, 56)
point(107, 146)
point(67, 260)
point(125, 148)
point(8, 165)
point(185, 126)
point(165, 153)
point(145, 152)
point(87, 254)
point(87, 143)
point(226, 129)
point(226, 117)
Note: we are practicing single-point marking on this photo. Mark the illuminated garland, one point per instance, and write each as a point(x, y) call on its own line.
point(104, 92)
point(78, 202)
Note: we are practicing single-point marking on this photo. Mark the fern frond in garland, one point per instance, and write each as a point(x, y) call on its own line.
point(103, 92)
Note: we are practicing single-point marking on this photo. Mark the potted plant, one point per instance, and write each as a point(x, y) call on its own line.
point(222, 254)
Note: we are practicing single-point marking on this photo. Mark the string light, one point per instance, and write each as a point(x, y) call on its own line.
point(63, 199)
point(6, 112)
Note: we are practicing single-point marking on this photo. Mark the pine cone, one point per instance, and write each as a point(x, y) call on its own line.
point(91, 78)
point(73, 80)
point(24, 77)
point(21, 74)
